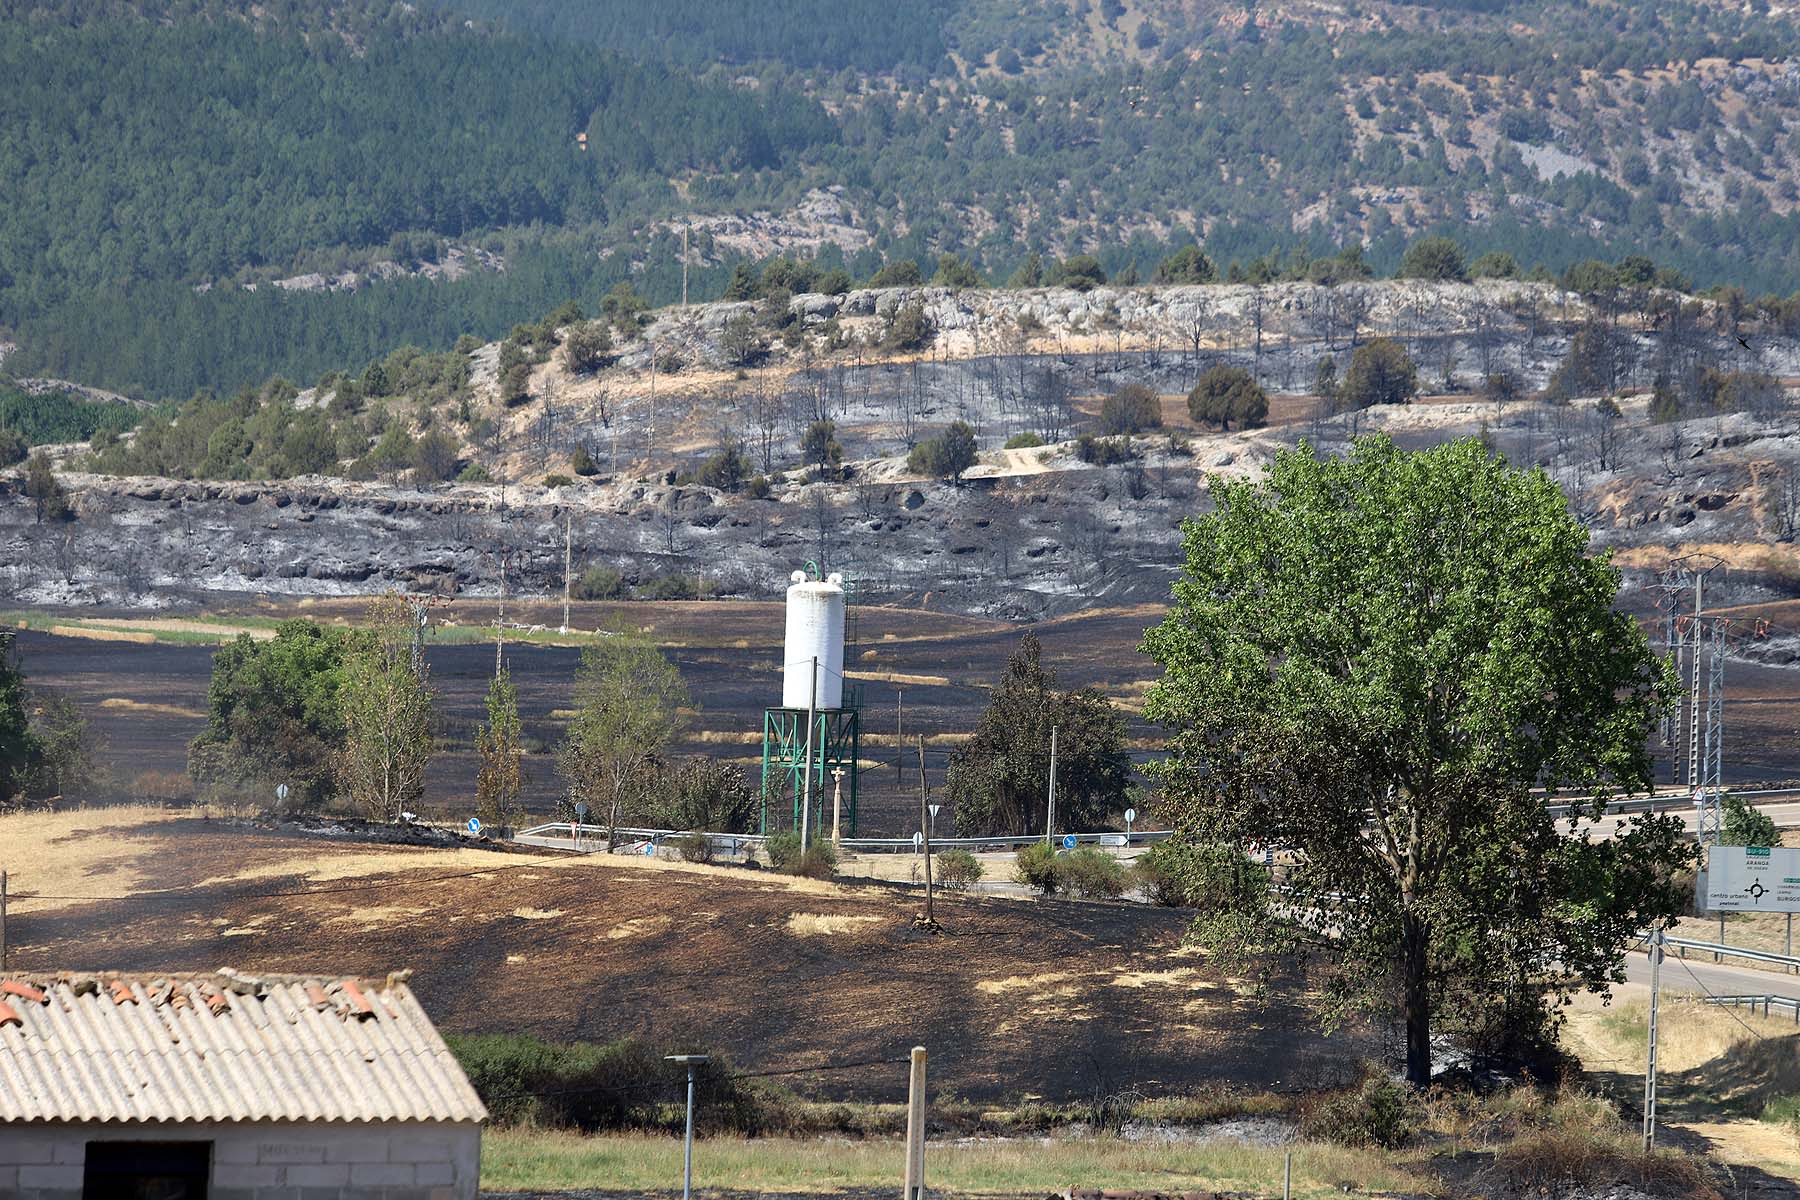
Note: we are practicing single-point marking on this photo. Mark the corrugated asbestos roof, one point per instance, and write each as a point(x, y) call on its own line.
point(224, 1047)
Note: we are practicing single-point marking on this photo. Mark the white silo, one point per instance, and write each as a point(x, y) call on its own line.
point(815, 631)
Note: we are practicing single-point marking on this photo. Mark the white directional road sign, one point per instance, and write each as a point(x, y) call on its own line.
point(1752, 879)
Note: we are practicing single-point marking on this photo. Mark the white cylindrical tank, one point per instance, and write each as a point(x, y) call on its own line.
point(815, 629)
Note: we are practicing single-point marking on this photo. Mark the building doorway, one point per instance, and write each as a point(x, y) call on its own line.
point(146, 1171)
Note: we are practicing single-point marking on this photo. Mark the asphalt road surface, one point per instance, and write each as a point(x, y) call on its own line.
point(1698, 975)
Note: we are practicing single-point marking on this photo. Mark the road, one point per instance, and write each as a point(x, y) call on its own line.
point(1698, 974)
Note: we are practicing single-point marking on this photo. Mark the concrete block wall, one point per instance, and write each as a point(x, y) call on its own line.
point(264, 1161)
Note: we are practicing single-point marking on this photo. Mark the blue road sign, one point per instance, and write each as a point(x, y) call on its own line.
point(1068, 841)
point(649, 850)
point(475, 825)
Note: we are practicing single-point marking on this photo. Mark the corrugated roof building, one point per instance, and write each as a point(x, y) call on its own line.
point(230, 1087)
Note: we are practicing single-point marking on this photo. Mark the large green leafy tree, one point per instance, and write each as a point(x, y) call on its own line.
point(387, 704)
point(628, 707)
point(19, 748)
point(274, 714)
point(999, 779)
point(1371, 664)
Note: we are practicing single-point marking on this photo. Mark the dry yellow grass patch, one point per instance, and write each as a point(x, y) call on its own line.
point(825, 925)
point(121, 704)
point(1138, 979)
point(727, 737)
point(1013, 983)
point(537, 914)
point(180, 625)
point(89, 852)
point(639, 927)
point(900, 677)
point(331, 864)
point(104, 635)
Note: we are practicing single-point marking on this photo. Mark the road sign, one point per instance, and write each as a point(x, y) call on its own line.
point(649, 849)
point(1068, 841)
point(918, 841)
point(581, 812)
point(1752, 879)
point(933, 810)
point(475, 826)
point(1130, 815)
point(281, 791)
point(1113, 839)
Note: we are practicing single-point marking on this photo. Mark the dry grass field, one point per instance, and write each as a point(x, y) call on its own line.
point(1056, 999)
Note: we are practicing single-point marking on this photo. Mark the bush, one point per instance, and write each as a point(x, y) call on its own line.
point(759, 487)
point(908, 328)
point(474, 473)
point(582, 463)
point(958, 870)
point(694, 847)
point(589, 1087)
point(556, 480)
point(1434, 257)
point(597, 583)
point(947, 455)
point(1103, 452)
point(783, 848)
point(1380, 373)
point(1036, 869)
point(1161, 875)
point(1226, 395)
point(819, 861)
point(1023, 441)
point(1377, 1112)
point(1134, 408)
point(1092, 874)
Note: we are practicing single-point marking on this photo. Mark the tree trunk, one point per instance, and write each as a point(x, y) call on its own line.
point(1416, 1001)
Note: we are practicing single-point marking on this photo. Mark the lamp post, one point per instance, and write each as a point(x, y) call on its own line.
point(690, 1061)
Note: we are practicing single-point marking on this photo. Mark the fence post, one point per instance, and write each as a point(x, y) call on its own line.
point(915, 1128)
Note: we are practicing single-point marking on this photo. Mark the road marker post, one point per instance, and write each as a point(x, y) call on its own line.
point(914, 1188)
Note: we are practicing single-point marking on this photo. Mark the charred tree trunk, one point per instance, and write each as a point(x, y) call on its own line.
point(1415, 1000)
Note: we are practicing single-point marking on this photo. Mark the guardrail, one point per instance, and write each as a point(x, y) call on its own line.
point(1720, 949)
point(1752, 1002)
point(576, 832)
point(1679, 802)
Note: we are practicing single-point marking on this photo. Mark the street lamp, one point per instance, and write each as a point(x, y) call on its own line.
point(690, 1061)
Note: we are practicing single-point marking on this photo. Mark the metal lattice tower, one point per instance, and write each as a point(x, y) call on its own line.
point(1713, 753)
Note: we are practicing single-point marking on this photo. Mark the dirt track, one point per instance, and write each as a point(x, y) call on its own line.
point(1056, 999)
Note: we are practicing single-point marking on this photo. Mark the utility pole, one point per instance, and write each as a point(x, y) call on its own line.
point(568, 567)
point(3, 882)
point(925, 832)
point(1693, 771)
point(899, 746)
point(812, 719)
point(1712, 763)
point(1050, 812)
point(684, 265)
point(500, 618)
point(1656, 957)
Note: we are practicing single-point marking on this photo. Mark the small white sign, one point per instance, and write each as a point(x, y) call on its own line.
point(1752, 879)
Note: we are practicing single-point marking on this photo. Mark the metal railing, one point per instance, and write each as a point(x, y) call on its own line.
point(1766, 1003)
point(1720, 949)
point(636, 838)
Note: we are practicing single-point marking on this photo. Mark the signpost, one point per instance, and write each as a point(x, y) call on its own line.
point(1068, 841)
point(1752, 879)
point(1130, 817)
point(281, 792)
point(475, 826)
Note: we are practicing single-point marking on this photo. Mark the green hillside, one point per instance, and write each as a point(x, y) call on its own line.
point(168, 162)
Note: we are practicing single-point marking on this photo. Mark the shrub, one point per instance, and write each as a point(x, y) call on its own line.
point(1160, 875)
point(1434, 257)
point(783, 848)
point(590, 1087)
point(819, 861)
point(1023, 441)
point(1036, 869)
point(1134, 408)
point(474, 473)
point(1103, 452)
point(1226, 395)
point(1377, 1112)
point(1380, 373)
point(556, 480)
point(597, 583)
point(582, 463)
point(958, 869)
point(587, 348)
point(673, 587)
point(1092, 874)
point(947, 455)
point(759, 487)
point(908, 328)
point(694, 847)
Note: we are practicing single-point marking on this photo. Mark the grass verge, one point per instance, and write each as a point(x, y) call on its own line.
point(515, 1160)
